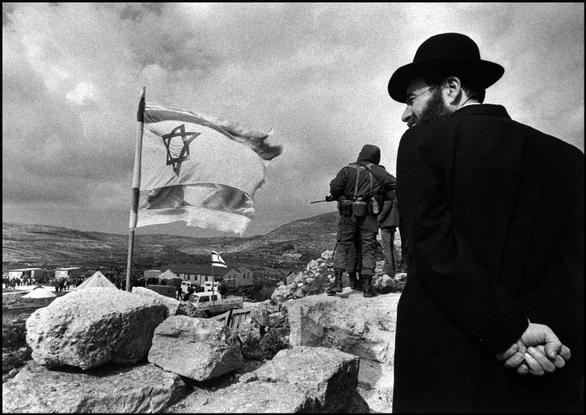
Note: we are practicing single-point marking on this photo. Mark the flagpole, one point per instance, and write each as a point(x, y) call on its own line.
point(135, 188)
point(213, 281)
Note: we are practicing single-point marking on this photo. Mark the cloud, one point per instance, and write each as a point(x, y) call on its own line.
point(82, 93)
point(316, 73)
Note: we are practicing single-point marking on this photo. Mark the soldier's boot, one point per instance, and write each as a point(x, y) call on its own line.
point(367, 290)
point(354, 281)
point(336, 286)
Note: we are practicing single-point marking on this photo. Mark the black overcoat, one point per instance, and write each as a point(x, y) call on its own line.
point(493, 213)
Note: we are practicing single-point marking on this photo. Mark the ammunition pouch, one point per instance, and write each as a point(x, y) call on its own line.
point(345, 207)
point(359, 208)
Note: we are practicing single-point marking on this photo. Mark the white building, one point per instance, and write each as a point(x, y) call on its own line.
point(198, 273)
point(23, 273)
point(65, 273)
point(238, 277)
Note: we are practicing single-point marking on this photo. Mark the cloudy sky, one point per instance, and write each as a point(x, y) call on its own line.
point(315, 73)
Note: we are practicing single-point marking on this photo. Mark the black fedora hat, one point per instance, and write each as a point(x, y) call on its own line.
point(442, 52)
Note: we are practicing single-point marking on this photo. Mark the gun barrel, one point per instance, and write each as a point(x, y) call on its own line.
point(318, 201)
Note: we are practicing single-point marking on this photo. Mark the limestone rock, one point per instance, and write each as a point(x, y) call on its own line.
point(327, 376)
point(13, 359)
point(375, 385)
point(91, 327)
point(253, 397)
point(327, 255)
point(171, 303)
point(304, 379)
point(361, 326)
point(291, 278)
point(250, 336)
point(283, 293)
point(108, 389)
point(188, 309)
point(199, 349)
point(267, 333)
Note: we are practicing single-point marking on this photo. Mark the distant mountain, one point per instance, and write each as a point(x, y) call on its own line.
point(310, 236)
point(51, 246)
point(38, 245)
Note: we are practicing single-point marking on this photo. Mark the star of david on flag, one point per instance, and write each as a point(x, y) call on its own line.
point(200, 170)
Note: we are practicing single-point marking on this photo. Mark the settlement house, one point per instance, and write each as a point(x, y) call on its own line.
point(25, 273)
point(238, 277)
point(69, 272)
point(198, 273)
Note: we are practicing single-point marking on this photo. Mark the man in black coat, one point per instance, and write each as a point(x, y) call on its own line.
point(368, 183)
point(492, 316)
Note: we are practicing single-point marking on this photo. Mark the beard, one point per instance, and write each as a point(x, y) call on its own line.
point(434, 110)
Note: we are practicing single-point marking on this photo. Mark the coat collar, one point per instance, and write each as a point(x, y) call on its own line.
point(482, 109)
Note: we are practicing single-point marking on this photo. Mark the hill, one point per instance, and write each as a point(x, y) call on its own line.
point(42, 245)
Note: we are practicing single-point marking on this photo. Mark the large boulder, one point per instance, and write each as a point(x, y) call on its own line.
point(108, 389)
point(375, 386)
point(303, 379)
point(364, 327)
point(327, 376)
point(252, 397)
point(171, 303)
point(88, 328)
point(199, 349)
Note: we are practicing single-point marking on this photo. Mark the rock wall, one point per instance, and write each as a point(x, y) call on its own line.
point(361, 326)
point(318, 353)
point(319, 274)
point(303, 379)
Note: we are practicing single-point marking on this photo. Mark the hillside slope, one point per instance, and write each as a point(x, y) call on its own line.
point(42, 245)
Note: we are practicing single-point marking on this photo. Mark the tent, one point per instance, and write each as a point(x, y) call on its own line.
point(39, 292)
point(96, 280)
point(170, 278)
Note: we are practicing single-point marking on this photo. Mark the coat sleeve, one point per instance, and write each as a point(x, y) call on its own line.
point(442, 259)
point(338, 184)
point(558, 301)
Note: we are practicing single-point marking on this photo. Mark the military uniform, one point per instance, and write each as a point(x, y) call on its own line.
point(364, 179)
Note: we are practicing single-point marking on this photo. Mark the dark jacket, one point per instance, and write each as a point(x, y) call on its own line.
point(343, 185)
point(389, 215)
point(493, 213)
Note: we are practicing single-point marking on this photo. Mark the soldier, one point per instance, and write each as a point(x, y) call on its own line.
point(361, 189)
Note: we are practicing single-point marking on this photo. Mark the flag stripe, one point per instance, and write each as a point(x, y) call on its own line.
point(212, 203)
point(209, 196)
point(196, 216)
point(217, 260)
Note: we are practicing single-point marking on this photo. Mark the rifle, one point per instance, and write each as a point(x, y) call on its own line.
point(328, 198)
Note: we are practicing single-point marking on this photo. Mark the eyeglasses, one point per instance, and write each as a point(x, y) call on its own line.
point(411, 98)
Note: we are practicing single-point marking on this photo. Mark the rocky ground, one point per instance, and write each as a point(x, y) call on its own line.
point(297, 316)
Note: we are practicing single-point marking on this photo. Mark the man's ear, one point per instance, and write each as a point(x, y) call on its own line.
point(452, 90)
